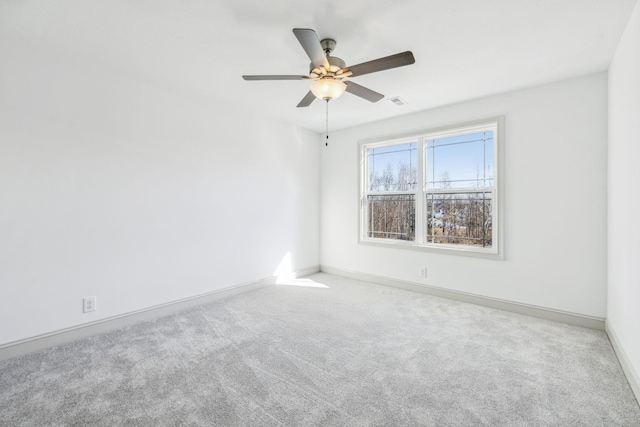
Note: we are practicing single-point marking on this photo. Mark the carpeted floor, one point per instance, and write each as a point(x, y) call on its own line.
point(328, 352)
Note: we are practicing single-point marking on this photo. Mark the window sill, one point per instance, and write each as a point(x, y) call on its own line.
point(441, 249)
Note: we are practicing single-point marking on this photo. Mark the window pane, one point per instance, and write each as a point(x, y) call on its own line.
point(391, 217)
point(460, 161)
point(393, 168)
point(460, 219)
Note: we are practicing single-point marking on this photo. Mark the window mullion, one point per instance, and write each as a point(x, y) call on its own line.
point(462, 190)
point(364, 189)
point(390, 193)
point(419, 198)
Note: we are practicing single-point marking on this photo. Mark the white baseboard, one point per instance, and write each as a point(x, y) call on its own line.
point(529, 310)
point(307, 271)
point(28, 345)
point(627, 367)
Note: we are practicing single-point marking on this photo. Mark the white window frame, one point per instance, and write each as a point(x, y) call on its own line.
point(496, 124)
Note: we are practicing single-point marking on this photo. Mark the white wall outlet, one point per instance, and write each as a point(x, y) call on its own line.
point(423, 272)
point(88, 304)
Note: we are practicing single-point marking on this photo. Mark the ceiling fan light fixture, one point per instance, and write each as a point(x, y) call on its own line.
point(328, 88)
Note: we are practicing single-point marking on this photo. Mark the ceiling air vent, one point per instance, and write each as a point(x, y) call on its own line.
point(398, 101)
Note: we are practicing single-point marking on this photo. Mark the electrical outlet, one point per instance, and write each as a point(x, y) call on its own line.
point(88, 304)
point(423, 271)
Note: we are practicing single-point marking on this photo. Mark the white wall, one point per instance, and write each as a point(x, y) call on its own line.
point(623, 307)
point(137, 194)
point(555, 201)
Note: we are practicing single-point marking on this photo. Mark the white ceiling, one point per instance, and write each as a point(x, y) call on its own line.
point(464, 49)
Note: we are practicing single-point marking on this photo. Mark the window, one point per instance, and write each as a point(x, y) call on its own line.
point(437, 190)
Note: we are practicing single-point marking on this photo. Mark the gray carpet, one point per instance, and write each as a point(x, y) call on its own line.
point(351, 353)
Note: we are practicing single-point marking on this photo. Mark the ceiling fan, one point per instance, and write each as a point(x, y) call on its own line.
point(327, 73)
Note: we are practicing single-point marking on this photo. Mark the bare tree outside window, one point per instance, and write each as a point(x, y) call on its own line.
point(391, 206)
point(458, 204)
point(460, 219)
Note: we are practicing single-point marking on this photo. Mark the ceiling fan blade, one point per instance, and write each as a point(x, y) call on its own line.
point(393, 61)
point(311, 44)
point(275, 77)
point(363, 92)
point(307, 100)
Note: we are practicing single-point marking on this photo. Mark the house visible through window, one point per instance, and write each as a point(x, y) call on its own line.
point(436, 190)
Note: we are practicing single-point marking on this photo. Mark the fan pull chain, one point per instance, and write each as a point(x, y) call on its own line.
point(327, 126)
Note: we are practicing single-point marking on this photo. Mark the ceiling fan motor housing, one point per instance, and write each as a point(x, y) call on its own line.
point(335, 64)
point(328, 45)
